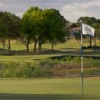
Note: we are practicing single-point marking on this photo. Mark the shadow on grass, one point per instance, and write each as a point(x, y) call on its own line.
point(69, 51)
point(47, 97)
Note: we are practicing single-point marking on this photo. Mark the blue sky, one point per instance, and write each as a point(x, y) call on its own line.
point(70, 9)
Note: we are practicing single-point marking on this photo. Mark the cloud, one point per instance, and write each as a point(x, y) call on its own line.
point(1, 4)
point(70, 9)
point(19, 14)
point(20, 6)
point(73, 11)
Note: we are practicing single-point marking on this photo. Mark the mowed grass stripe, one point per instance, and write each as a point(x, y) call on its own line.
point(49, 89)
point(50, 86)
point(47, 97)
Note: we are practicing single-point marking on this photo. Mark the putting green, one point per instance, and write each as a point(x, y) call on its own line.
point(49, 89)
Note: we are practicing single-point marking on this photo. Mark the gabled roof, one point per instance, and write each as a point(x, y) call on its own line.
point(76, 29)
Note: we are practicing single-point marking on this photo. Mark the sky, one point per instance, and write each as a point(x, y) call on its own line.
point(70, 9)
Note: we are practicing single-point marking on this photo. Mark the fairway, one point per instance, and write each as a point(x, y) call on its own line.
point(49, 89)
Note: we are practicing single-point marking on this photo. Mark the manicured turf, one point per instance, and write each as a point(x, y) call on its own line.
point(49, 89)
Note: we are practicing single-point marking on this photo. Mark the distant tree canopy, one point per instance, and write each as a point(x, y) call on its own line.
point(92, 22)
point(95, 23)
point(55, 25)
point(30, 25)
point(42, 26)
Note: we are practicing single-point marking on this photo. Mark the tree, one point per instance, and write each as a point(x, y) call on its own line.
point(92, 22)
point(3, 34)
point(31, 24)
point(43, 25)
point(12, 23)
point(26, 31)
point(55, 26)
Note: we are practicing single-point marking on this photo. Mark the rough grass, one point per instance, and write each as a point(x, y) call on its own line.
point(49, 89)
point(25, 58)
point(71, 45)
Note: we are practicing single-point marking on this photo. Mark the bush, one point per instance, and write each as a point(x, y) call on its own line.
point(24, 70)
point(9, 70)
point(50, 68)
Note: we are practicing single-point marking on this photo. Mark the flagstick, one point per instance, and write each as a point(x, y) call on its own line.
point(95, 41)
point(82, 62)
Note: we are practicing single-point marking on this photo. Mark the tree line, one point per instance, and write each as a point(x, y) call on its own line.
point(38, 26)
point(93, 22)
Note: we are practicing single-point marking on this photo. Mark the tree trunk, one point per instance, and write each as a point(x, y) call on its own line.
point(40, 46)
point(95, 41)
point(52, 44)
point(35, 42)
point(9, 46)
point(3, 42)
point(90, 41)
point(27, 46)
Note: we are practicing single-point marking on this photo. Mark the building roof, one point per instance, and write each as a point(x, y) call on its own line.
point(75, 30)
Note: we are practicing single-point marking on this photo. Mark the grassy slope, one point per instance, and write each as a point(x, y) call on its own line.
point(49, 89)
point(71, 47)
point(72, 43)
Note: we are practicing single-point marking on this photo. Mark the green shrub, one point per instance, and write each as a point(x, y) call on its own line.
point(1, 73)
point(9, 69)
point(24, 70)
point(50, 68)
